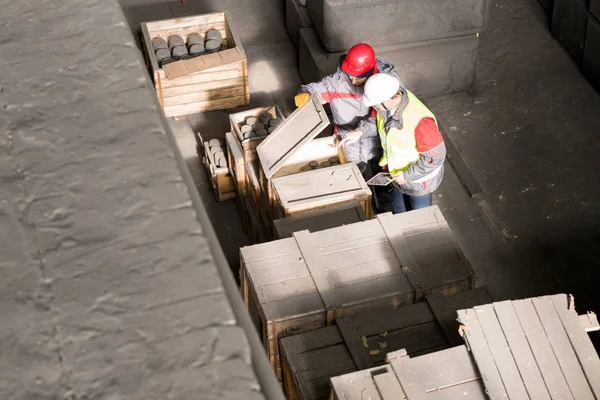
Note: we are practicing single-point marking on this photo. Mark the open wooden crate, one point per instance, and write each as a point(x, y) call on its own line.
point(249, 145)
point(298, 284)
point(217, 88)
point(309, 360)
point(220, 177)
point(290, 183)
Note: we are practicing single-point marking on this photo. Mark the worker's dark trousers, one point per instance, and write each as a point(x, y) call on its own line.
point(402, 202)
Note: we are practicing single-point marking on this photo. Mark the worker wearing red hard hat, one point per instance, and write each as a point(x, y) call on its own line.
point(343, 91)
point(413, 147)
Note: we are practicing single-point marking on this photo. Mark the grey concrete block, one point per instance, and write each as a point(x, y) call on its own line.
point(569, 26)
point(343, 23)
point(591, 55)
point(296, 18)
point(429, 68)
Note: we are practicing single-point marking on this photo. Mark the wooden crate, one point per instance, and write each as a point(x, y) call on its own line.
point(220, 177)
point(249, 145)
point(533, 348)
point(236, 163)
point(221, 87)
point(302, 283)
point(256, 229)
point(446, 374)
point(318, 220)
point(363, 341)
point(320, 188)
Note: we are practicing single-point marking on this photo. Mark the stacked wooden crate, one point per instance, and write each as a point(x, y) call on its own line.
point(360, 342)
point(289, 172)
point(214, 158)
point(535, 348)
point(222, 86)
point(306, 282)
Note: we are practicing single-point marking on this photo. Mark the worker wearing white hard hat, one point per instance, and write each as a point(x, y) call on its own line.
point(413, 147)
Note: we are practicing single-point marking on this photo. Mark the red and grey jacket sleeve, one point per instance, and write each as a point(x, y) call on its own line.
point(368, 125)
point(322, 88)
point(430, 145)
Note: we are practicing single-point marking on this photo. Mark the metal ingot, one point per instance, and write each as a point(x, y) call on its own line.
point(214, 142)
point(218, 155)
point(161, 54)
point(333, 160)
point(166, 61)
point(159, 43)
point(175, 41)
point(212, 46)
point(313, 164)
point(257, 126)
point(195, 39)
point(214, 34)
point(246, 128)
point(265, 118)
point(261, 132)
point(271, 129)
point(178, 51)
point(326, 164)
point(275, 122)
point(222, 162)
point(251, 120)
point(196, 50)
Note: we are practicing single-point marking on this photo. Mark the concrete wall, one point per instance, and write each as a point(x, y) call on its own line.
point(108, 286)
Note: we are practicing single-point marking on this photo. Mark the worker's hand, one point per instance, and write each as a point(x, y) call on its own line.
point(351, 137)
point(399, 178)
point(301, 99)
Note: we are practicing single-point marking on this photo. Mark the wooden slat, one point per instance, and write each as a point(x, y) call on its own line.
point(292, 288)
point(542, 351)
point(309, 251)
point(295, 307)
point(503, 358)
point(186, 21)
point(445, 307)
point(406, 258)
point(225, 72)
point(588, 358)
point(203, 96)
point(481, 352)
point(355, 386)
point(201, 106)
point(280, 274)
point(332, 238)
point(185, 31)
point(567, 359)
point(388, 386)
point(174, 91)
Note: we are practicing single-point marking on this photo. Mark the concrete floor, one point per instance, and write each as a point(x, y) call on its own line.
point(526, 131)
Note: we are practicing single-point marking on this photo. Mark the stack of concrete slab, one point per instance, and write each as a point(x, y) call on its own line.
point(575, 24)
point(432, 43)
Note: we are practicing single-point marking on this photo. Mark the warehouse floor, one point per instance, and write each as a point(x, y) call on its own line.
point(527, 132)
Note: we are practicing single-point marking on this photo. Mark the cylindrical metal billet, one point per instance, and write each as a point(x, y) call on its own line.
point(265, 118)
point(246, 128)
point(166, 61)
point(161, 54)
point(261, 132)
point(159, 43)
point(212, 46)
point(214, 34)
point(175, 41)
point(251, 121)
point(275, 122)
point(197, 50)
point(178, 51)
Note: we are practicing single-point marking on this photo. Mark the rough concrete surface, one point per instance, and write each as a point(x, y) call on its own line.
point(108, 289)
point(343, 23)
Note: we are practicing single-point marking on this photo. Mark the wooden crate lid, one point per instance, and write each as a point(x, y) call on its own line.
point(303, 125)
point(533, 348)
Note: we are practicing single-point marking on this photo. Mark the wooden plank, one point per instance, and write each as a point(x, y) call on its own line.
point(186, 21)
point(318, 220)
point(406, 258)
point(235, 163)
point(300, 127)
point(567, 359)
point(293, 288)
point(201, 106)
point(318, 150)
point(355, 386)
point(505, 363)
point(318, 272)
point(223, 73)
point(333, 238)
point(475, 338)
point(203, 96)
point(584, 349)
point(445, 309)
point(298, 306)
point(542, 351)
point(388, 386)
point(589, 321)
point(313, 340)
point(175, 91)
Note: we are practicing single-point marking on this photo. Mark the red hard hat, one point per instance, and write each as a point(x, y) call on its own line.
point(360, 61)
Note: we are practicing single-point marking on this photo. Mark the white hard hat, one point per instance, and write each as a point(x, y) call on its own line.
point(379, 88)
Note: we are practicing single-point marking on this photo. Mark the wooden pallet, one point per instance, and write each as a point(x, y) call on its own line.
point(443, 375)
point(318, 220)
point(220, 177)
point(222, 87)
point(306, 282)
point(533, 348)
point(363, 341)
point(249, 145)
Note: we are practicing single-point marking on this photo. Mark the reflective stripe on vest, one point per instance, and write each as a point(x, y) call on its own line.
point(400, 145)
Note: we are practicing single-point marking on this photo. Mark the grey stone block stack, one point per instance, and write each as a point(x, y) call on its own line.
point(576, 26)
point(432, 43)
